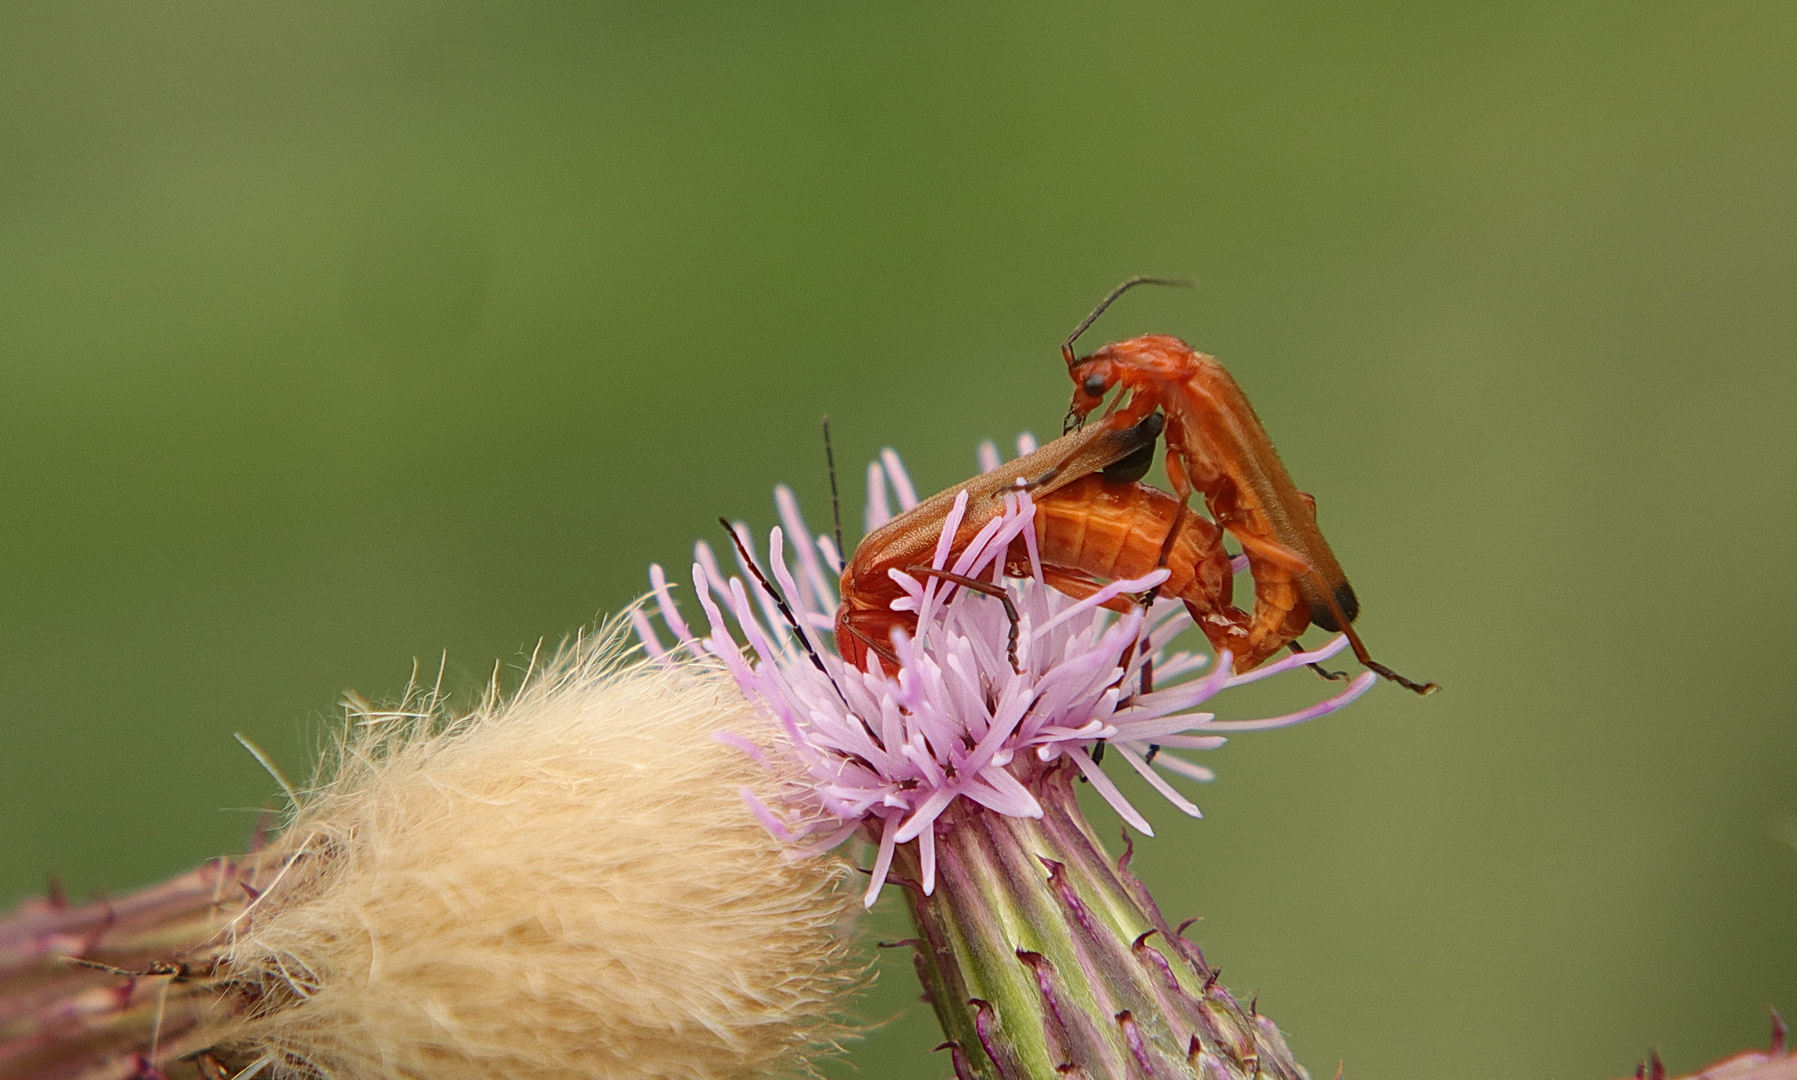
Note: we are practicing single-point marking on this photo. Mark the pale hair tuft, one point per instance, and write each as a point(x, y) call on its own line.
point(566, 883)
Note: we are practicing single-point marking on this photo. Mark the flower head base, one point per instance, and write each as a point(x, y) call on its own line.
point(988, 694)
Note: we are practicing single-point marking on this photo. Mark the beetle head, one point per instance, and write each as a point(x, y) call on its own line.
point(1093, 377)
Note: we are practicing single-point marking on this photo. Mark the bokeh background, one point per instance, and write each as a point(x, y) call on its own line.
point(335, 336)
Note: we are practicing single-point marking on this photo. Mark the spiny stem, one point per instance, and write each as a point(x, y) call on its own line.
point(1043, 957)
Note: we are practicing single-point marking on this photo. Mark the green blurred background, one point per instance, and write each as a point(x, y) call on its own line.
point(335, 336)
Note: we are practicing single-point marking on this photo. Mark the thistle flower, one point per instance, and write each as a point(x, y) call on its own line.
point(1035, 947)
point(563, 884)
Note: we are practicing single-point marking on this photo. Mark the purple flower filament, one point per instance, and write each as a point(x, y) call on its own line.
point(895, 751)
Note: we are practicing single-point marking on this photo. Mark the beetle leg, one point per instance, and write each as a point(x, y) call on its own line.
point(1280, 615)
point(987, 588)
point(1366, 658)
point(1080, 585)
point(1361, 654)
point(1148, 599)
point(1272, 552)
point(1179, 475)
point(1421, 689)
point(1160, 563)
point(861, 642)
point(1332, 676)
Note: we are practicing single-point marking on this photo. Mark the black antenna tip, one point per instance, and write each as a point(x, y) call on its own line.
point(835, 496)
point(1111, 297)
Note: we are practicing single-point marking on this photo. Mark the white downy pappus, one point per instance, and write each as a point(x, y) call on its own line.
point(563, 884)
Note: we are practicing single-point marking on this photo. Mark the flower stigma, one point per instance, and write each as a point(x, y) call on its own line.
point(897, 755)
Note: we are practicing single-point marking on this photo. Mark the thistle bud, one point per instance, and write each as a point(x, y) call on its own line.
point(563, 884)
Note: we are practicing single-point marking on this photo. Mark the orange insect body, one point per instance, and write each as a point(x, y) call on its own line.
point(1089, 527)
point(1096, 529)
point(865, 619)
point(1216, 445)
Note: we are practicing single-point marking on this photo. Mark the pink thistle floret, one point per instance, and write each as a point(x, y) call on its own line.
point(892, 752)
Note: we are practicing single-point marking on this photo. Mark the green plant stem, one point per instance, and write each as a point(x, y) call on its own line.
point(1044, 958)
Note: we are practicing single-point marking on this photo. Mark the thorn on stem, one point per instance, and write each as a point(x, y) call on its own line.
point(957, 1054)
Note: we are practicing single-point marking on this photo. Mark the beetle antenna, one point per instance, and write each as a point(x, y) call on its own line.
point(1142, 279)
point(779, 602)
point(835, 499)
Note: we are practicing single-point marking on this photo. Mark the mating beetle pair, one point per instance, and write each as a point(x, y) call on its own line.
point(1095, 520)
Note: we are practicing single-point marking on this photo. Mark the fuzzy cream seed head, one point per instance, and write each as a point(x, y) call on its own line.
point(563, 884)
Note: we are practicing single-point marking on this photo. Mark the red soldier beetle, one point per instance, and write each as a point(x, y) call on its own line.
point(1093, 521)
point(1216, 445)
